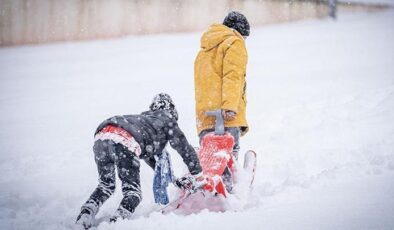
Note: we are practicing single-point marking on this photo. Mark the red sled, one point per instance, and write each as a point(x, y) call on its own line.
point(215, 155)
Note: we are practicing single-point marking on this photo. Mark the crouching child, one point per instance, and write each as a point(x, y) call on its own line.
point(121, 142)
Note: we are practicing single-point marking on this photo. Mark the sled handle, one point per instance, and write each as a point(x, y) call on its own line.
point(219, 122)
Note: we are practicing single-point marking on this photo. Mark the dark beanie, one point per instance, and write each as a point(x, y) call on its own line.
point(237, 21)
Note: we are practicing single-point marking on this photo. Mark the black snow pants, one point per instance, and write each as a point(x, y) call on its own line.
point(109, 155)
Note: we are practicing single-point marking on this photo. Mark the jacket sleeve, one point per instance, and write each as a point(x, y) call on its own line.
point(234, 70)
point(179, 142)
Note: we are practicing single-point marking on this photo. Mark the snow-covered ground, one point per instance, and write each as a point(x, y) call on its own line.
point(321, 110)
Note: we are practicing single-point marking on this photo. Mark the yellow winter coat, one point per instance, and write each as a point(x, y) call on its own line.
point(219, 77)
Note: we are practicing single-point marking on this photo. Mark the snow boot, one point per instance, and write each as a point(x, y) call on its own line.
point(85, 218)
point(121, 213)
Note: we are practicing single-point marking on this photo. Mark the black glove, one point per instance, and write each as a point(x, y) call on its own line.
point(185, 182)
point(190, 182)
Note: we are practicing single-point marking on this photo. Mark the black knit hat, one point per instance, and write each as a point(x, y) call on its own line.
point(237, 21)
point(163, 101)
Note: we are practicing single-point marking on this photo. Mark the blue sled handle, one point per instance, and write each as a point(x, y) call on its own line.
point(219, 122)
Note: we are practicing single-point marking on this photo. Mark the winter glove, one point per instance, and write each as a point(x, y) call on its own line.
point(190, 182)
point(228, 115)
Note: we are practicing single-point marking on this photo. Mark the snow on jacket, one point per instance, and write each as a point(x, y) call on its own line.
point(153, 130)
point(219, 76)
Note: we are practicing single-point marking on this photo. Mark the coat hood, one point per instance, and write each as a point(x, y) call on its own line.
point(216, 34)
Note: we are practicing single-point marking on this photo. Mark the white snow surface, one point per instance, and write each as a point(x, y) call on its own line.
point(320, 107)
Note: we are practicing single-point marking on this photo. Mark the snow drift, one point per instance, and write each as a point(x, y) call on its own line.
point(321, 109)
